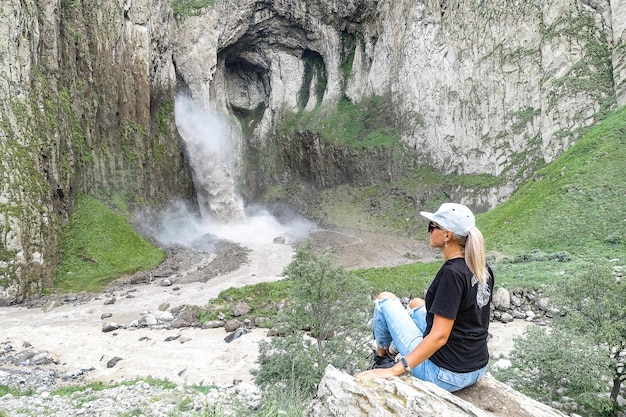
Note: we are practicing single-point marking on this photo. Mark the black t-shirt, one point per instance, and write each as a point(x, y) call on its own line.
point(456, 294)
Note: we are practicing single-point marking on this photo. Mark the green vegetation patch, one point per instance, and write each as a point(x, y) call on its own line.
point(314, 70)
point(369, 123)
point(574, 204)
point(409, 280)
point(394, 207)
point(185, 8)
point(262, 298)
point(99, 246)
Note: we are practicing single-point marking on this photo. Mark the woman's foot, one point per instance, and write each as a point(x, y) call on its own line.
point(381, 361)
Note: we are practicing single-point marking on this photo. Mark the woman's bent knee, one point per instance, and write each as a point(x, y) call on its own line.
point(386, 295)
point(416, 303)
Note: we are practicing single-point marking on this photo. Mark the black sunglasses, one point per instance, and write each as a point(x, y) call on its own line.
point(432, 226)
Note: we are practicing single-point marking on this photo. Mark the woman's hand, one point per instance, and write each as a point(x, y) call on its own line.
point(374, 373)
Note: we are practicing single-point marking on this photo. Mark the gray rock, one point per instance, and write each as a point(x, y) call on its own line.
point(109, 327)
point(339, 394)
point(506, 318)
point(113, 361)
point(147, 320)
point(543, 303)
point(232, 325)
point(518, 314)
point(516, 300)
point(213, 324)
point(52, 305)
point(186, 316)
point(241, 309)
point(163, 316)
point(236, 334)
point(502, 299)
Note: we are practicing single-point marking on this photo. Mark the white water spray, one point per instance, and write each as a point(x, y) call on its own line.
point(213, 156)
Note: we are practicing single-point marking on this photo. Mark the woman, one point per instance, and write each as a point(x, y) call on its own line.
point(442, 339)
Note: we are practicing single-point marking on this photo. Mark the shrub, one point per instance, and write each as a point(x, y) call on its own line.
point(581, 357)
point(332, 306)
point(550, 366)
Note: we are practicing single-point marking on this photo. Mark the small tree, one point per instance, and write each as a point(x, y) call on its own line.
point(551, 365)
point(585, 352)
point(595, 305)
point(327, 323)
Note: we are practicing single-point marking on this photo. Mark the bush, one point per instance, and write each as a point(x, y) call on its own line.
point(326, 324)
point(581, 357)
point(552, 366)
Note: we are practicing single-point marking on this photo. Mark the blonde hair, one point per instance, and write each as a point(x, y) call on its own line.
point(474, 247)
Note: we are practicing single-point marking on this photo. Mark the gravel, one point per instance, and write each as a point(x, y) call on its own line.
point(137, 398)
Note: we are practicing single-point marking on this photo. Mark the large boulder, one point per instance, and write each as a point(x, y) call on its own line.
point(339, 394)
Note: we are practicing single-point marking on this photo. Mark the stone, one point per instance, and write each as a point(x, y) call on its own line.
point(506, 318)
point(163, 316)
point(241, 308)
point(147, 320)
point(501, 299)
point(232, 325)
point(501, 364)
point(113, 361)
point(236, 334)
point(516, 300)
point(51, 306)
point(185, 316)
point(339, 394)
point(109, 327)
point(213, 324)
point(543, 303)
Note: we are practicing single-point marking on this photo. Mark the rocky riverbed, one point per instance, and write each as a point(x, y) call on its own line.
point(125, 333)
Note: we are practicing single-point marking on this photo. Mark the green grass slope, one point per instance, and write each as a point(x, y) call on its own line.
point(575, 204)
point(99, 246)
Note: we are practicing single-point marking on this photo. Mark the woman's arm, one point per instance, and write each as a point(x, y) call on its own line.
point(437, 337)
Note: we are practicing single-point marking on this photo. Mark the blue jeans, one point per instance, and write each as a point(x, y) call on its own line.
point(402, 330)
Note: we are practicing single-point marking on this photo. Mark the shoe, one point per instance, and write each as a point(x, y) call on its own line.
point(381, 361)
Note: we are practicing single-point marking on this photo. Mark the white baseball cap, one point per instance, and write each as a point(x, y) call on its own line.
point(454, 217)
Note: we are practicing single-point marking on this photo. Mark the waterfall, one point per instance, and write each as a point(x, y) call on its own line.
point(213, 157)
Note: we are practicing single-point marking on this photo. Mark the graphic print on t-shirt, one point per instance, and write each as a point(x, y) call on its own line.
point(482, 294)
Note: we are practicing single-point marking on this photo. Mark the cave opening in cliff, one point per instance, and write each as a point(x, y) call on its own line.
point(248, 87)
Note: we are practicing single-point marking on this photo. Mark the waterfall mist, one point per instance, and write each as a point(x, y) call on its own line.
point(214, 159)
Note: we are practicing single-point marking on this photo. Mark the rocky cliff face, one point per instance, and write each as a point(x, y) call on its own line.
point(482, 86)
point(86, 106)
